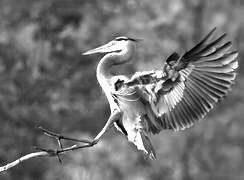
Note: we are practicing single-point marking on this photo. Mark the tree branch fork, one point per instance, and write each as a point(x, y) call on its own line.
point(51, 152)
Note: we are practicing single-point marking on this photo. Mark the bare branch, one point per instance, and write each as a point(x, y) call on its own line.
point(23, 158)
point(50, 152)
point(44, 152)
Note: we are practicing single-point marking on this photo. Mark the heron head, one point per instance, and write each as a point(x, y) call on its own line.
point(116, 45)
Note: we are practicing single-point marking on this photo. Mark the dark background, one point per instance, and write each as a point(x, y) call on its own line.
point(44, 80)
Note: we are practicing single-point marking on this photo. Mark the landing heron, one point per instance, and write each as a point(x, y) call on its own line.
point(174, 97)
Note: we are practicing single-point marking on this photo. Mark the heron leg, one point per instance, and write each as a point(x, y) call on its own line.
point(115, 115)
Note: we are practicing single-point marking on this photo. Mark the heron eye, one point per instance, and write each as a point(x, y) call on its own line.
point(121, 39)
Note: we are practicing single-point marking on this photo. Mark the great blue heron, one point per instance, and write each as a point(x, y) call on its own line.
point(182, 92)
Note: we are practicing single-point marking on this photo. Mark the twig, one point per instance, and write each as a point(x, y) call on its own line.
point(49, 152)
point(43, 152)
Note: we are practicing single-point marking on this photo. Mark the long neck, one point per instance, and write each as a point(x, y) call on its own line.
point(108, 61)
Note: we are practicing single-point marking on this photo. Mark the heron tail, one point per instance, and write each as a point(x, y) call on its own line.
point(143, 143)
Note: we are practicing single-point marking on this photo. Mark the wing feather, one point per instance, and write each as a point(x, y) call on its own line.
point(206, 73)
point(200, 45)
point(211, 47)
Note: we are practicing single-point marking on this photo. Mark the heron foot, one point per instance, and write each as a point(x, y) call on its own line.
point(60, 137)
point(62, 149)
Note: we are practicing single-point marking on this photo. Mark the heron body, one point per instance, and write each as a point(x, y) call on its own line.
point(174, 97)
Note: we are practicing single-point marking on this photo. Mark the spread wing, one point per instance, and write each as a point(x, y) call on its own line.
point(188, 87)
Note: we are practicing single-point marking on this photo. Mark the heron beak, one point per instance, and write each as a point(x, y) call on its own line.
point(136, 40)
point(109, 47)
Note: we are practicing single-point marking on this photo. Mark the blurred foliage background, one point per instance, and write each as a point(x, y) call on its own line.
point(44, 80)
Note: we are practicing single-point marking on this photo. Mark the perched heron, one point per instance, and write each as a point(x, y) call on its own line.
point(182, 92)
